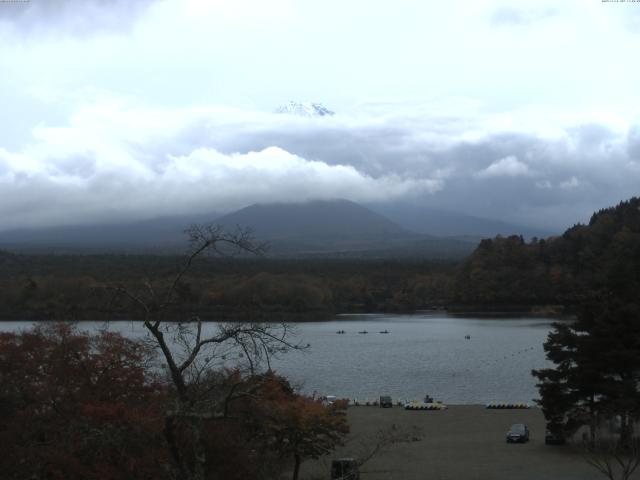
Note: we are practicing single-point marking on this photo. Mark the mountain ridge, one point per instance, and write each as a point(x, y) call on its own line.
point(446, 223)
point(336, 227)
point(342, 217)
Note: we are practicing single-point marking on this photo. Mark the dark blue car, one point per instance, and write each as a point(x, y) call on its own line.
point(518, 433)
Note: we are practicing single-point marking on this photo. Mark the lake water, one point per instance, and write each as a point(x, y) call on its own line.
point(421, 354)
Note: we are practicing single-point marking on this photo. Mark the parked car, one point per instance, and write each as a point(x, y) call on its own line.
point(386, 402)
point(554, 435)
point(329, 400)
point(345, 469)
point(518, 433)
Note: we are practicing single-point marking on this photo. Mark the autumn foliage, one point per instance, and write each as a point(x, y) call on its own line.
point(300, 426)
point(80, 406)
point(77, 406)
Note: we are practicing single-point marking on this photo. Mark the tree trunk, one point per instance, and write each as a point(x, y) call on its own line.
point(174, 448)
point(593, 422)
point(199, 450)
point(625, 431)
point(296, 467)
point(191, 465)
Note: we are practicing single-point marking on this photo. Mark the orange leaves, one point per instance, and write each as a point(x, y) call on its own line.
point(297, 424)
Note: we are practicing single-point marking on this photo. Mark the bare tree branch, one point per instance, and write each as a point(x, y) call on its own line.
point(611, 458)
point(189, 350)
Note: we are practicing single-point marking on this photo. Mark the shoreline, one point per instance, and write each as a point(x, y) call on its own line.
point(316, 317)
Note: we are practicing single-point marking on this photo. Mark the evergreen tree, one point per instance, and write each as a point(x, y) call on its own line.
point(570, 392)
point(597, 369)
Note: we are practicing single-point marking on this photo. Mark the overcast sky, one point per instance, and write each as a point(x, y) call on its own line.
point(522, 111)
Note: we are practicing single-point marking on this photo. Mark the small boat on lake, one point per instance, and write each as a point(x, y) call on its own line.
point(341, 332)
point(363, 331)
point(384, 331)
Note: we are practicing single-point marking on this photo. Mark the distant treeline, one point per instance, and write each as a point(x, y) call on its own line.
point(77, 287)
point(501, 274)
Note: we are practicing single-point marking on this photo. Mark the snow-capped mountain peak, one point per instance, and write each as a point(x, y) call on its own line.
point(305, 109)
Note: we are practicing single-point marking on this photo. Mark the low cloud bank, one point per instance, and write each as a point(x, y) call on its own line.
point(115, 161)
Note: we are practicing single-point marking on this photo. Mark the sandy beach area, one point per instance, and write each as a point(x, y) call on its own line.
point(462, 442)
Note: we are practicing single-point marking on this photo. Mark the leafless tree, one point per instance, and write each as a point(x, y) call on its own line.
point(613, 459)
point(363, 449)
point(190, 349)
point(371, 447)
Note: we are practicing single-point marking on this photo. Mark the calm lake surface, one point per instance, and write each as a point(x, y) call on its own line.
point(421, 354)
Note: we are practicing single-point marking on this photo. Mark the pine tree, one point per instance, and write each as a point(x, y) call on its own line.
point(597, 369)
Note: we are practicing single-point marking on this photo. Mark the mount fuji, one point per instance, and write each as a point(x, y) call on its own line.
point(305, 109)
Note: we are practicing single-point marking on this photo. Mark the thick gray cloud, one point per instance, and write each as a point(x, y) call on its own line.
point(124, 162)
point(633, 143)
point(516, 175)
point(70, 16)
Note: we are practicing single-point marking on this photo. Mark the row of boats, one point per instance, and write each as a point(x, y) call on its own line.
point(342, 332)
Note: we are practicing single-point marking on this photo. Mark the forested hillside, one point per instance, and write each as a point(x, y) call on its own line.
point(601, 256)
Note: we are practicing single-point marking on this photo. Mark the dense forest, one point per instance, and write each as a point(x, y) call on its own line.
point(595, 380)
point(503, 273)
point(564, 270)
point(73, 287)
